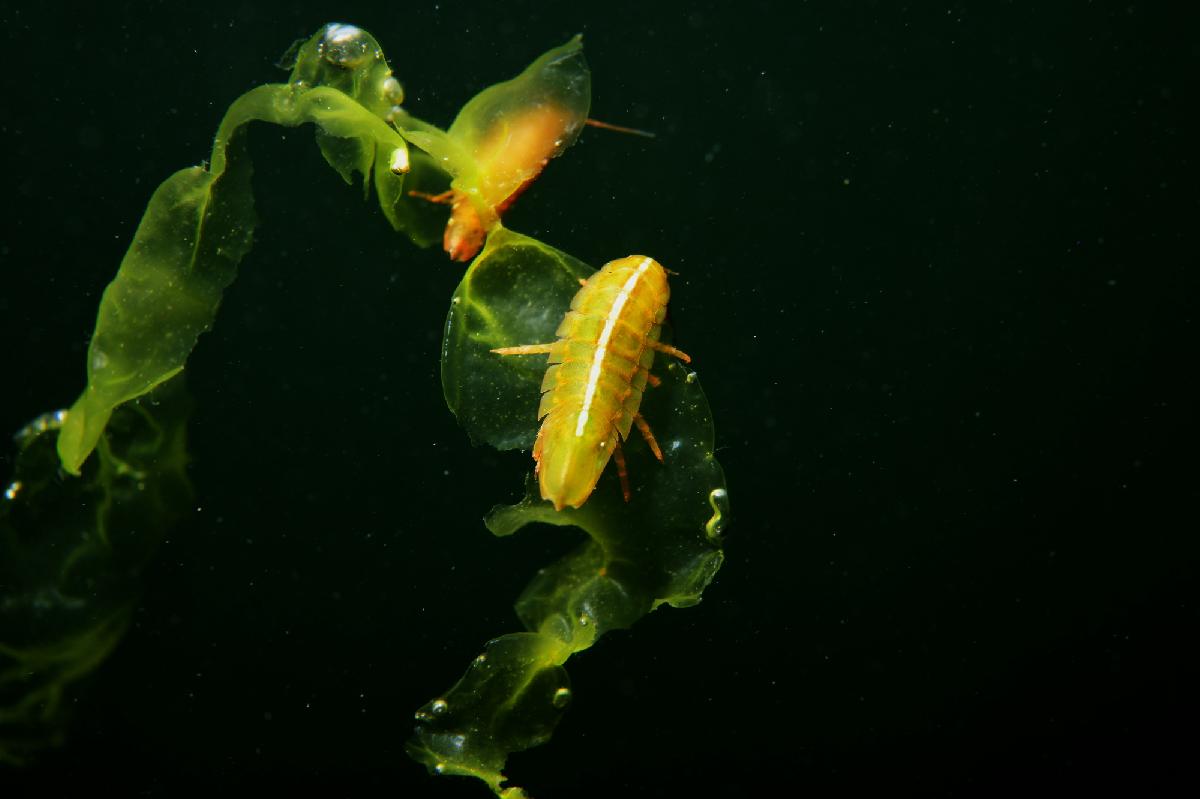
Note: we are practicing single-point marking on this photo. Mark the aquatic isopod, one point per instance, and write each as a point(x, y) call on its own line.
point(507, 158)
point(599, 368)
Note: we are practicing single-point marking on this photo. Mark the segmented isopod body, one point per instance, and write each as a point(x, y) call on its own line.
point(599, 367)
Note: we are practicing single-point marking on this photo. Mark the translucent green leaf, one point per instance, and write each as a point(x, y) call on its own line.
point(515, 292)
point(71, 552)
point(200, 222)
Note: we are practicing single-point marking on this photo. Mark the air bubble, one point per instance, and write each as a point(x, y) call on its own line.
point(42, 424)
point(13, 489)
point(439, 707)
point(393, 92)
point(562, 698)
point(345, 46)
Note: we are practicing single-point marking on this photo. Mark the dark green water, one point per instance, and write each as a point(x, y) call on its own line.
point(935, 273)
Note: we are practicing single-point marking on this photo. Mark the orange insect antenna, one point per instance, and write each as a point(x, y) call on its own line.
point(595, 123)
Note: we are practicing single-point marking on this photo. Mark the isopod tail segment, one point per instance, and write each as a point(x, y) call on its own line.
point(598, 369)
point(465, 230)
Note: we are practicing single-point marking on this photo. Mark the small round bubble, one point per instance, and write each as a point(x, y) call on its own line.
point(345, 46)
point(561, 698)
point(392, 90)
point(439, 707)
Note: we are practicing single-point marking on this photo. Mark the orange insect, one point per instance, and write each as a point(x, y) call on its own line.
point(599, 367)
point(502, 139)
point(507, 158)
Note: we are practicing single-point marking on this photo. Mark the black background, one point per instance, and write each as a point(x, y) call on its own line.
point(937, 275)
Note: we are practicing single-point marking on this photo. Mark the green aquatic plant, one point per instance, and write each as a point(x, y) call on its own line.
point(71, 552)
point(200, 222)
point(661, 547)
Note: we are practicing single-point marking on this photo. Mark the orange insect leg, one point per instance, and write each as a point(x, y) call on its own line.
point(524, 349)
point(445, 198)
point(667, 349)
point(653, 380)
point(622, 472)
point(648, 434)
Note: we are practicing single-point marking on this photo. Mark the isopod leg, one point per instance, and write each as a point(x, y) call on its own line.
point(669, 350)
point(445, 198)
point(524, 349)
point(648, 434)
point(622, 472)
